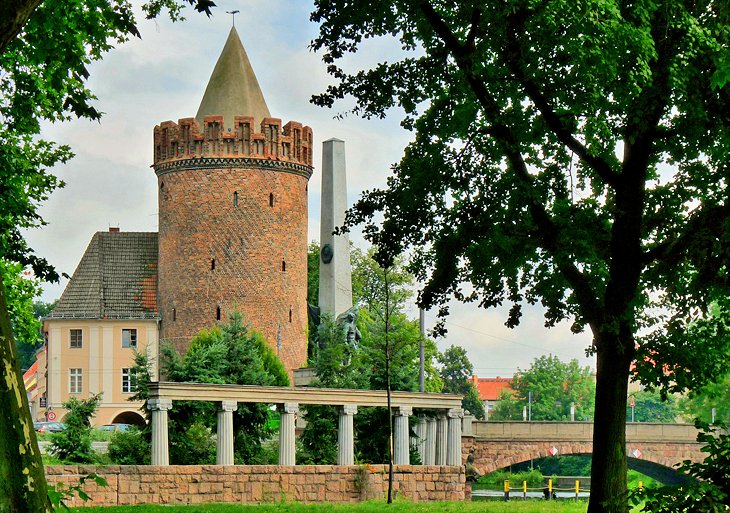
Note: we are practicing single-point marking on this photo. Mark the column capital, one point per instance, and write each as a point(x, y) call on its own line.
point(403, 411)
point(348, 409)
point(455, 413)
point(289, 408)
point(228, 406)
point(159, 404)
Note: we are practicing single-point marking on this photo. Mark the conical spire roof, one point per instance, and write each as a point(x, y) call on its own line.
point(233, 89)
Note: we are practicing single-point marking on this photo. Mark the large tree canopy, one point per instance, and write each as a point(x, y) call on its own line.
point(45, 50)
point(572, 154)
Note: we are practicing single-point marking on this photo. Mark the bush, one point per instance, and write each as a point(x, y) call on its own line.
point(194, 446)
point(73, 445)
point(495, 480)
point(129, 448)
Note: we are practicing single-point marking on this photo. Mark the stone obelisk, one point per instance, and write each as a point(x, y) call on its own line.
point(335, 274)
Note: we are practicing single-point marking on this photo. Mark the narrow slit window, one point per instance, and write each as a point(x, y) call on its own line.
point(174, 315)
point(271, 199)
point(217, 313)
point(283, 265)
point(235, 198)
point(290, 313)
point(212, 264)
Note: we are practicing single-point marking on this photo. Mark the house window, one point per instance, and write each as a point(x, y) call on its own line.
point(128, 385)
point(77, 339)
point(129, 338)
point(75, 381)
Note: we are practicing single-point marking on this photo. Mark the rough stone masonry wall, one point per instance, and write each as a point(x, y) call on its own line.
point(196, 484)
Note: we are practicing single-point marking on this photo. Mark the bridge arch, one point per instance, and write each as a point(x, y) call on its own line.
point(654, 450)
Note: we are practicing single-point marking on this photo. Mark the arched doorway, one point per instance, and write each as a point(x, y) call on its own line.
point(129, 417)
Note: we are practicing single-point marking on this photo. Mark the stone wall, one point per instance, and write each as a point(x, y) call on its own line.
point(196, 484)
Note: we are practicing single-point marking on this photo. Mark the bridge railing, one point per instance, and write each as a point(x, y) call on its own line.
point(580, 431)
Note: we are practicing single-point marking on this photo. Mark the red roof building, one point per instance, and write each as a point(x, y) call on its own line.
point(490, 390)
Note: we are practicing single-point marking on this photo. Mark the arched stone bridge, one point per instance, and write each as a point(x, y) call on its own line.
point(653, 449)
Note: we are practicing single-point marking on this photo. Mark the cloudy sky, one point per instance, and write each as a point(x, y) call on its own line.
point(163, 77)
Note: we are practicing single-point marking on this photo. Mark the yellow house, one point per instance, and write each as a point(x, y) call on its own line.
point(107, 312)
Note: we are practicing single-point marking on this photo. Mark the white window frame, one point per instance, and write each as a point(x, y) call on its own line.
point(132, 338)
point(127, 385)
point(71, 340)
point(75, 381)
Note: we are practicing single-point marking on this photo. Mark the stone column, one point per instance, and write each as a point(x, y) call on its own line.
point(287, 448)
point(401, 436)
point(419, 441)
point(346, 436)
point(442, 435)
point(429, 452)
point(224, 442)
point(160, 446)
point(453, 446)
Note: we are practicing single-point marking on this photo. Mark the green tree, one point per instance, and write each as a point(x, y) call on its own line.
point(45, 49)
point(456, 372)
point(229, 353)
point(650, 406)
point(572, 154)
point(553, 386)
point(338, 365)
point(701, 402)
point(508, 407)
point(73, 445)
point(21, 291)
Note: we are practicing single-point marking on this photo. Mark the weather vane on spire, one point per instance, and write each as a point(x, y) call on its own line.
point(233, 14)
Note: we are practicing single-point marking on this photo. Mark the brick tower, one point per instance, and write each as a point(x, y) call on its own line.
point(232, 187)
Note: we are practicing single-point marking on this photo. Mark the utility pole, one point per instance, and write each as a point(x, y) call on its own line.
point(422, 364)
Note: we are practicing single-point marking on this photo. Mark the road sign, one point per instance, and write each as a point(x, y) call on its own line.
point(632, 401)
point(637, 453)
point(553, 451)
point(51, 415)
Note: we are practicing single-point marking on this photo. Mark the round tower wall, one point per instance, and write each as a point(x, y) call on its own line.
point(233, 233)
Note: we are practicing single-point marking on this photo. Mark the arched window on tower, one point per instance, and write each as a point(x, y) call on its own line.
point(283, 265)
point(235, 198)
point(271, 199)
point(212, 264)
point(218, 313)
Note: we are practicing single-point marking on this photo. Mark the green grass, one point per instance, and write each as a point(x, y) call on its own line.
point(365, 507)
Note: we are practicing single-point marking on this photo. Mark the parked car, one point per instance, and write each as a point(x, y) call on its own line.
point(113, 428)
point(49, 427)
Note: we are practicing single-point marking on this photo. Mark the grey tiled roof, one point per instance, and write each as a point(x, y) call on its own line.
point(116, 279)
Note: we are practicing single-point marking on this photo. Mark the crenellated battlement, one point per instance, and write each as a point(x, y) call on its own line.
point(185, 140)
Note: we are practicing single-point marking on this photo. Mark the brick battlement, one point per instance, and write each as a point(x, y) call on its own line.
point(184, 140)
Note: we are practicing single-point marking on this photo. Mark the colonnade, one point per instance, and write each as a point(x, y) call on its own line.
point(438, 439)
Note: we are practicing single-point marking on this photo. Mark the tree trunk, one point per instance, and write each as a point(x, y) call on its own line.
point(13, 15)
point(22, 480)
point(608, 467)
